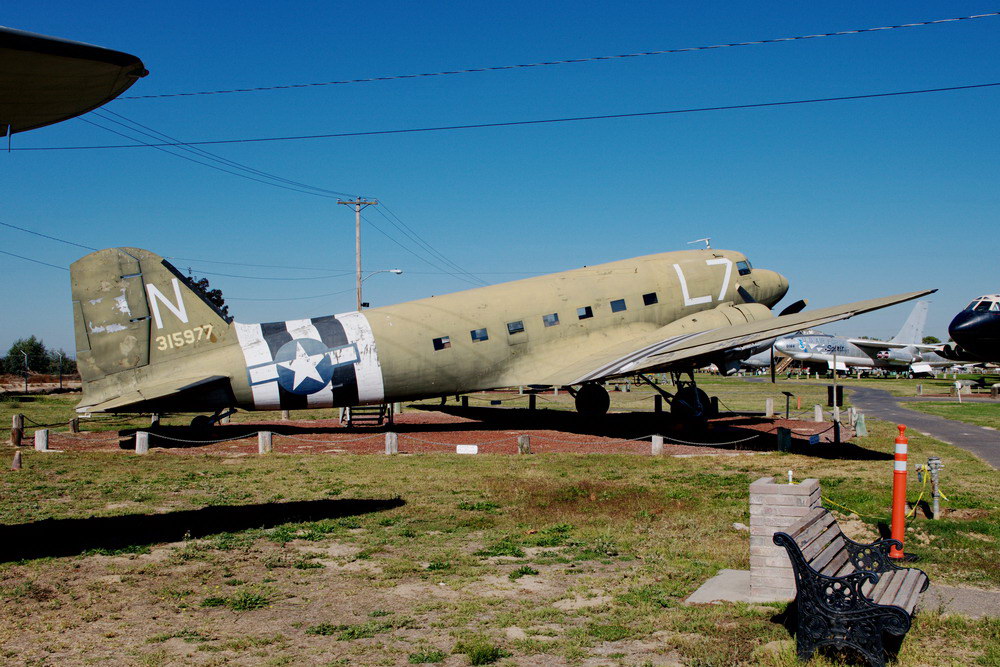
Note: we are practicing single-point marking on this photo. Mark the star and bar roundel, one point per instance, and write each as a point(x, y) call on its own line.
point(309, 363)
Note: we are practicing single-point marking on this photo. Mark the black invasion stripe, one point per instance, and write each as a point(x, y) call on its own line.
point(331, 331)
point(275, 334)
point(290, 401)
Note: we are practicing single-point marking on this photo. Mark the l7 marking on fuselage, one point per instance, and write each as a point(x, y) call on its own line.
point(688, 300)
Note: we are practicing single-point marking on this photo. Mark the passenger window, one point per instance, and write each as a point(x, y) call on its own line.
point(515, 327)
point(584, 312)
point(743, 268)
point(479, 335)
point(617, 305)
point(550, 320)
point(649, 299)
point(442, 343)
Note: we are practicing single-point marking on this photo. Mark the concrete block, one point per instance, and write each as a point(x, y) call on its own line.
point(771, 563)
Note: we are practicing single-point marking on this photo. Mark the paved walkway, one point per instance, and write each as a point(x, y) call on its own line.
point(734, 586)
point(983, 442)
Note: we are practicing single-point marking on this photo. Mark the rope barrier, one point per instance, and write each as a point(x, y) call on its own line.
point(711, 444)
point(453, 444)
point(199, 442)
point(323, 442)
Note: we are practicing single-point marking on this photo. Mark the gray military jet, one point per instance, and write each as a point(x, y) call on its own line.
point(904, 352)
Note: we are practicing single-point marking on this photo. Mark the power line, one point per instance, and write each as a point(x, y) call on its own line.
point(398, 223)
point(571, 61)
point(542, 121)
point(36, 261)
point(46, 236)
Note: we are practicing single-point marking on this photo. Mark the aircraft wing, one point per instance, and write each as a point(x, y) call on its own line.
point(149, 393)
point(659, 350)
point(887, 345)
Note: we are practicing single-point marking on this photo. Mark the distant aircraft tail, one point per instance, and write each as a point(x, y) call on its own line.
point(913, 329)
point(132, 309)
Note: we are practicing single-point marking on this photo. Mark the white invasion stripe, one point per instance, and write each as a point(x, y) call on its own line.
point(901, 447)
point(255, 353)
point(263, 374)
point(368, 370)
point(899, 466)
point(306, 329)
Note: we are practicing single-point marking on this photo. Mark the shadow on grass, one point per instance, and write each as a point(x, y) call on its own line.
point(68, 537)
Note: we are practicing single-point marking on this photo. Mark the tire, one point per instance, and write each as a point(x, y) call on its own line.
point(691, 404)
point(592, 400)
point(202, 422)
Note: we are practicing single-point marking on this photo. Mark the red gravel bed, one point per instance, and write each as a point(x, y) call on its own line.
point(493, 430)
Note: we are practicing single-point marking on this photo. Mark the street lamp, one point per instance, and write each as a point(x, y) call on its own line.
point(360, 302)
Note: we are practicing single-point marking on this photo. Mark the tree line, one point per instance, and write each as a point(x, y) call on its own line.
point(31, 355)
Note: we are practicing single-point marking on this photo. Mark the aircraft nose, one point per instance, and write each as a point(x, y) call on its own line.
point(972, 328)
point(771, 285)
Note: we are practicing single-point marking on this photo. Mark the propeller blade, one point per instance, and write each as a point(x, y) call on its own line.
point(793, 308)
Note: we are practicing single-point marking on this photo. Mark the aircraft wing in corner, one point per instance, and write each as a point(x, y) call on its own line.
point(668, 349)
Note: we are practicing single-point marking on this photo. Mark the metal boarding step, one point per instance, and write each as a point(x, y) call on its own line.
point(366, 415)
point(782, 365)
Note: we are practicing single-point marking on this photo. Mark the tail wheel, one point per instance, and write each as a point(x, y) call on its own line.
point(592, 400)
point(202, 422)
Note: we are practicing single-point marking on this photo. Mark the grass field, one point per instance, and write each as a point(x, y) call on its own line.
point(373, 560)
point(981, 414)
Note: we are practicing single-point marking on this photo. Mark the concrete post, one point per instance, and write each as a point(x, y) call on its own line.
point(860, 428)
point(817, 413)
point(768, 407)
point(520, 389)
point(920, 390)
point(657, 445)
point(285, 416)
point(524, 444)
point(74, 425)
point(397, 408)
point(264, 445)
point(657, 403)
point(852, 415)
point(16, 429)
point(154, 420)
point(836, 414)
point(141, 442)
point(42, 439)
point(555, 391)
point(391, 443)
point(934, 465)
point(775, 507)
point(16, 464)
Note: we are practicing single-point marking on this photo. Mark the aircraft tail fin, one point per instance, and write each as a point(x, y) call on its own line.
point(913, 328)
point(131, 309)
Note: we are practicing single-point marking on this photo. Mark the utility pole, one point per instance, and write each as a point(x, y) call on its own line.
point(358, 204)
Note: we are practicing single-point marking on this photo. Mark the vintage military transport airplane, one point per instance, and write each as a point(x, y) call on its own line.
point(148, 343)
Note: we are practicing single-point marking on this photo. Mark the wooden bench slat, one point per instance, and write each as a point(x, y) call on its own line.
point(839, 560)
point(910, 590)
point(877, 592)
point(819, 544)
point(823, 558)
point(805, 522)
point(822, 532)
point(889, 592)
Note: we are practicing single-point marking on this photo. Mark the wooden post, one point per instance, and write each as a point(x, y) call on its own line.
point(657, 403)
point(657, 445)
point(714, 402)
point(263, 442)
point(74, 425)
point(444, 399)
point(769, 407)
point(523, 444)
point(391, 443)
point(285, 416)
point(817, 413)
point(16, 429)
point(531, 401)
point(141, 442)
point(42, 439)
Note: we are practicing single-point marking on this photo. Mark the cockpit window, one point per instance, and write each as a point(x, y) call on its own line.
point(982, 306)
point(744, 267)
point(995, 306)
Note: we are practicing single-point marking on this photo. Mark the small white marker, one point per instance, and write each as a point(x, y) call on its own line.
point(789, 476)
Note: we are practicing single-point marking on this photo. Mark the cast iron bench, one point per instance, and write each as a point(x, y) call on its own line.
point(849, 594)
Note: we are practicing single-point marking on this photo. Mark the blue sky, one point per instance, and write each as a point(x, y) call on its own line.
point(850, 200)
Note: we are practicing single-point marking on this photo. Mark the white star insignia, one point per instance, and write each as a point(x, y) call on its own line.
point(303, 365)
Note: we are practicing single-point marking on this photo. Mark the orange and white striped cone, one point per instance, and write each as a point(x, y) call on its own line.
point(899, 492)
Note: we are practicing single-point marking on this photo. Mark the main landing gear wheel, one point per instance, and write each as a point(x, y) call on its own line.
point(592, 400)
point(691, 404)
